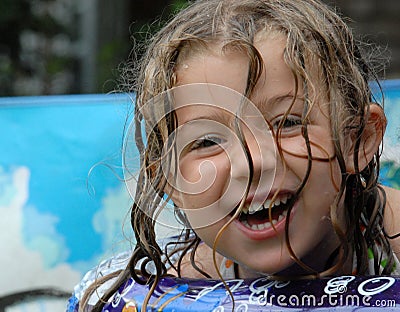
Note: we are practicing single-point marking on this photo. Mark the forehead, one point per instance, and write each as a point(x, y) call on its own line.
point(199, 101)
point(229, 66)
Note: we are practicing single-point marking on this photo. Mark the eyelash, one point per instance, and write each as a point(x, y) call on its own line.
point(207, 141)
point(289, 122)
point(211, 140)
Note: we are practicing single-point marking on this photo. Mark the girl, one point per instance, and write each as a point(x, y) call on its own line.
point(256, 119)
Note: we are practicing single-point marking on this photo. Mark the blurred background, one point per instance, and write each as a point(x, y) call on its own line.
point(79, 46)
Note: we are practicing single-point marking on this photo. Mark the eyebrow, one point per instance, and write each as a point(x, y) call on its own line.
point(265, 104)
point(219, 115)
point(275, 100)
point(226, 117)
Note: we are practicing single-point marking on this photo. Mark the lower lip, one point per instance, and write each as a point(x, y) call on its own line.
point(263, 234)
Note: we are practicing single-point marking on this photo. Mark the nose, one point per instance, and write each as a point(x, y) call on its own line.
point(254, 160)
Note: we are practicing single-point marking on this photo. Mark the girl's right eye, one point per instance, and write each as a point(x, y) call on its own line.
point(208, 141)
point(288, 123)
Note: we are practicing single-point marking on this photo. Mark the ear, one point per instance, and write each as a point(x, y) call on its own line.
point(371, 138)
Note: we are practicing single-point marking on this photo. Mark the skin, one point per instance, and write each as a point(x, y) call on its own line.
point(311, 235)
point(392, 217)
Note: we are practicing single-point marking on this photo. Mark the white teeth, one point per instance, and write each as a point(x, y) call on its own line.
point(251, 209)
point(267, 203)
point(257, 227)
point(254, 208)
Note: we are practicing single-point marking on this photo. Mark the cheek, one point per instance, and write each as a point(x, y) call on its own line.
point(206, 192)
point(202, 180)
point(209, 233)
point(322, 186)
point(325, 175)
point(196, 177)
point(320, 144)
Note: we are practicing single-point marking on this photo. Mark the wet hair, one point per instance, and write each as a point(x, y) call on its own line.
point(317, 41)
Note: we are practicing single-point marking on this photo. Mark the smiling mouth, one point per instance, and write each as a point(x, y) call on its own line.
point(257, 217)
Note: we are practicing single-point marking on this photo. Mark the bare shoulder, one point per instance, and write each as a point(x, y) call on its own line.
point(392, 217)
point(204, 260)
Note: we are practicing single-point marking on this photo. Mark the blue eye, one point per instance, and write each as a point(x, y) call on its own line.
point(207, 141)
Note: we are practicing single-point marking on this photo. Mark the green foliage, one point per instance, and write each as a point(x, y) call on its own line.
point(38, 62)
point(14, 12)
point(57, 64)
point(17, 18)
point(178, 5)
point(108, 58)
point(48, 26)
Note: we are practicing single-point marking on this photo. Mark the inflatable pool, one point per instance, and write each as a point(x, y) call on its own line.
point(344, 293)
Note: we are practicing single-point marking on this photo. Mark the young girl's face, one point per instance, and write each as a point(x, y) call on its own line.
point(221, 164)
